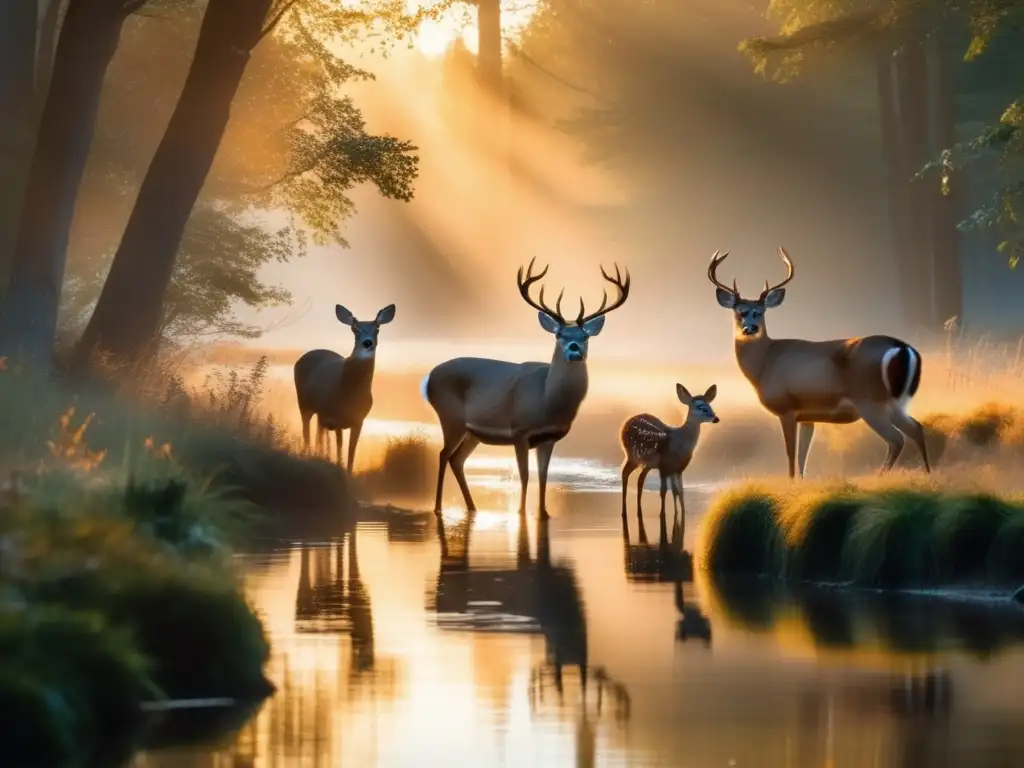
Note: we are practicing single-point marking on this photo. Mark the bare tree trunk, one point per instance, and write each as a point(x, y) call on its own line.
point(896, 170)
point(946, 208)
point(127, 317)
point(17, 53)
point(913, 104)
point(489, 47)
point(87, 43)
point(48, 26)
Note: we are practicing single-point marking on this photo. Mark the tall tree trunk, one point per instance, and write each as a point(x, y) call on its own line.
point(946, 208)
point(48, 26)
point(489, 43)
point(896, 170)
point(127, 317)
point(17, 54)
point(913, 105)
point(87, 43)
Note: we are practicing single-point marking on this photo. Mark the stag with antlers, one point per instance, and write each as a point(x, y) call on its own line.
point(525, 405)
point(838, 382)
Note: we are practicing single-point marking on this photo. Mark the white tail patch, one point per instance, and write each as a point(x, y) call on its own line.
point(903, 400)
point(423, 388)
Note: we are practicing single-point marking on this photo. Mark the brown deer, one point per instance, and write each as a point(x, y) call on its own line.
point(650, 443)
point(834, 382)
point(525, 405)
point(338, 389)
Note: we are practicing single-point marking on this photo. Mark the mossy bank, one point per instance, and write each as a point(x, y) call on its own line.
point(893, 535)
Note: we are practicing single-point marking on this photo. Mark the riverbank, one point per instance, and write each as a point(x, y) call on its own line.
point(118, 590)
point(899, 534)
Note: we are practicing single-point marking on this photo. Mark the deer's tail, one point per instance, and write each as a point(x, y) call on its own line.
point(424, 387)
point(901, 372)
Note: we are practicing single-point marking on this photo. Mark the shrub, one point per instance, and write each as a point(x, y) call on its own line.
point(889, 535)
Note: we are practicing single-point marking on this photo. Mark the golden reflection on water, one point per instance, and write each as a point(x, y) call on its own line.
point(499, 640)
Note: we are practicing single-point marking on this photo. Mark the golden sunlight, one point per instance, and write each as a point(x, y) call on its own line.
point(435, 36)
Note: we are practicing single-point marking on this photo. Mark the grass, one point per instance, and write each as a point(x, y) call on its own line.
point(887, 534)
point(215, 433)
point(408, 467)
point(117, 585)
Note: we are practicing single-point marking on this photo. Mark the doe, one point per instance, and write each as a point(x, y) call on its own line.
point(338, 389)
point(650, 443)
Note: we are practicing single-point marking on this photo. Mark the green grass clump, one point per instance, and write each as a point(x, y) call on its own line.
point(741, 532)
point(69, 682)
point(887, 535)
point(408, 467)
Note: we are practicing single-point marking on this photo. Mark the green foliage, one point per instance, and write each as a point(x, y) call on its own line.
point(808, 26)
point(890, 536)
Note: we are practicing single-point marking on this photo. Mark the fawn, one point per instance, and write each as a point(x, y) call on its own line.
point(650, 443)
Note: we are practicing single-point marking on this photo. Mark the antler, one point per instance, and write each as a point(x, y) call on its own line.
point(717, 259)
point(524, 291)
point(623, 287)
point(789, 274)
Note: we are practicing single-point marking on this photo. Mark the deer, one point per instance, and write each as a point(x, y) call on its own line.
point(649, 443)
point(841, 381)
point(336, 389)
point(529, 406)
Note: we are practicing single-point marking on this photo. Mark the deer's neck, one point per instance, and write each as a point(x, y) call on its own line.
point(564, 389)
point(752, 355)
point(690, 427)
point(357, 371)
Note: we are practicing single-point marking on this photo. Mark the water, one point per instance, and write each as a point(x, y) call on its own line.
point(408, 642)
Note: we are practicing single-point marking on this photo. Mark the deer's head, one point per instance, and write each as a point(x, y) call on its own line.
point(572, 336)
point(365, 331)
point(700, 406)
point(749, 313)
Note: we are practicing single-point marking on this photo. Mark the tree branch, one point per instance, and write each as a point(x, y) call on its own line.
point(517, 51)
point(286, 6)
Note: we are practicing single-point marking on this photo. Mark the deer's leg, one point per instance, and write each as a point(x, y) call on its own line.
point(878, 417)
point(307, 416)
point(523, 460)
point(353, 439)
point(677, 487)
point(788, 423)
point(644, 471)
point(458, 465)
point(664, 489)
point(912, 428)
point(628, 466)
point(544, 451)
point(337, 445)
point(453, 438)
point(805, 436)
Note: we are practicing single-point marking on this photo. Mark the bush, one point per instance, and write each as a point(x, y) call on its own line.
point(741, 533)
point(888, 535)
point(68, 683)
point(408, 467)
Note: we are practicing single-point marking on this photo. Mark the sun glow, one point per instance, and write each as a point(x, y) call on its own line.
point(435, 36)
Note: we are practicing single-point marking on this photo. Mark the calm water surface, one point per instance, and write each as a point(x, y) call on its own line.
point(406, 642)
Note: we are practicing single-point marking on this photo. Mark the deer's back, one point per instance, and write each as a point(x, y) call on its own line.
point(318, 379)
point(643, 438)
point(488, 392)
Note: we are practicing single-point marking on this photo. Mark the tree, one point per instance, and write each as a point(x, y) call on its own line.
point(331, 152)
point(87, 42)
point(17, 93)
point(923, 34)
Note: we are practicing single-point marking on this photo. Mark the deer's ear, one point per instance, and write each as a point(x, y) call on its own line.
point(774, 298)
point(547, 322)
point(725, 298)
point(683, 394)
point(593, 327)
point(711, 393)
point(344, 316)
point(386, 315)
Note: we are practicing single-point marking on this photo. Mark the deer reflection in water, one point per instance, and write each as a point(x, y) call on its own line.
point(534, 596)
point(329, 601)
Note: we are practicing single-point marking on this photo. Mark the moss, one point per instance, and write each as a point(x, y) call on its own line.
point(892, 535)
point(741, 533)
point(69, 683)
